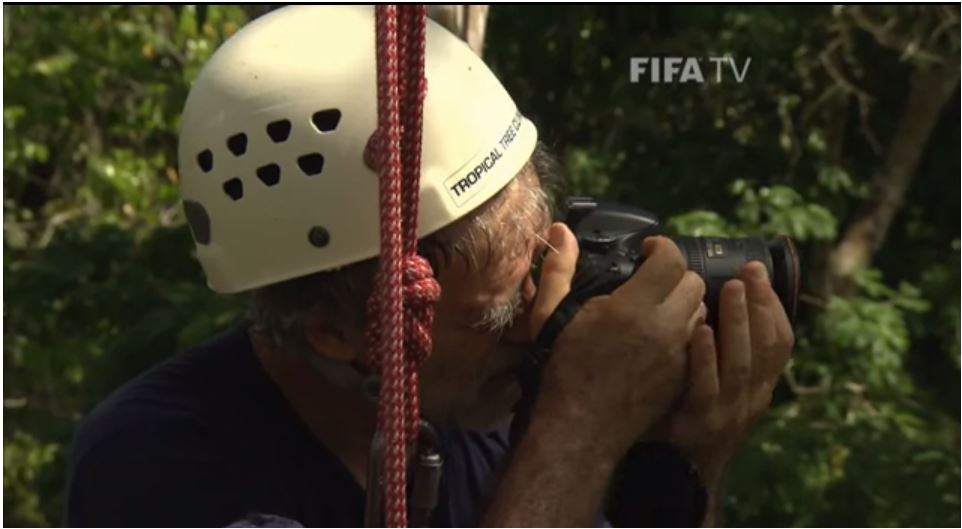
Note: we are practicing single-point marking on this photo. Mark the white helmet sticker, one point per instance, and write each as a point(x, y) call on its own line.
point(462, 187)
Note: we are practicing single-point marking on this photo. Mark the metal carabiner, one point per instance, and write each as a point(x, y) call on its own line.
point(428, 465)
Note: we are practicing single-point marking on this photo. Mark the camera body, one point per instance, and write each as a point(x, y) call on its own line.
point(610, 236)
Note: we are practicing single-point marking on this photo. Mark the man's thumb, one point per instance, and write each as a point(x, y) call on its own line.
point(557, 270)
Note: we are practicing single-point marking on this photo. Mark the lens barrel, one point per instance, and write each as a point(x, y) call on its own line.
point(718, 260)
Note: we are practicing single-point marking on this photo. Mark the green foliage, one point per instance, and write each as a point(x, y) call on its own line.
point(764, 211)
point(858, 444)
point(841, 458)
point(101, 284)
point(23, 459)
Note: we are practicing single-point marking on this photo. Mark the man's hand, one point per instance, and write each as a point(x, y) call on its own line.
point(615, 369)
point(731, 382)
point(619, 365)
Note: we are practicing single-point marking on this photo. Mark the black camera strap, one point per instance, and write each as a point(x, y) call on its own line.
point(533, 363)
point(556, 322)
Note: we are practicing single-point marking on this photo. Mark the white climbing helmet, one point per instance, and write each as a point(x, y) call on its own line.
point(271, 146)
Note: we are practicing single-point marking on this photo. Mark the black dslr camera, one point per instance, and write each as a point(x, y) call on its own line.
point(610, 236)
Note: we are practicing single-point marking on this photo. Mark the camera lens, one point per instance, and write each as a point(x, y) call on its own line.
point(718, 260)
point(786, 278)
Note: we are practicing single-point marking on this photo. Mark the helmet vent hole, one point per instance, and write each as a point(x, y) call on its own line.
point(311, 164)
point(270, 174)
point(234, 188)
point(237, 144)
point(279, 130)
point(326, 120)
point(205, 160)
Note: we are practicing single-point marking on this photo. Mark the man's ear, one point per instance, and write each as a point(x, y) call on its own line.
point(328, 341)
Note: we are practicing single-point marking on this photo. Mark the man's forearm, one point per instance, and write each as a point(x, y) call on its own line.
point(557, 476)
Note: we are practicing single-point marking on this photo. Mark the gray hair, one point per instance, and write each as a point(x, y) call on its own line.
point(499, 316)
point(492, 232)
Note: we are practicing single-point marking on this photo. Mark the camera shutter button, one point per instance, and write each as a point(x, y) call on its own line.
point(596, 243)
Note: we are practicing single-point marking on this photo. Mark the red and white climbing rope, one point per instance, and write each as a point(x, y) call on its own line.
point(400, 310)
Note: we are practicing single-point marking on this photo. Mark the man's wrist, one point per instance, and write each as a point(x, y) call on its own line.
point(577, 425)
point(575, 434)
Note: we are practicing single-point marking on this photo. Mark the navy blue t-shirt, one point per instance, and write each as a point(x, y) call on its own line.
point(206, 439)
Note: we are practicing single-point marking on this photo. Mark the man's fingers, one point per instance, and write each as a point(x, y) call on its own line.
point(761, 322)
point(734, 336)
point(685, 301)
point(783, 327)
point(703, 362)
point(771, 329)
point(655, 279)
point(557, 270)
point(697, 318)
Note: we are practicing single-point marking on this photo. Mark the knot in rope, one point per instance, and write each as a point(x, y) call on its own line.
point(421, 292)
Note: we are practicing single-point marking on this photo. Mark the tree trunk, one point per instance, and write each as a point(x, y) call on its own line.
point(465, 21)
point(929, 92)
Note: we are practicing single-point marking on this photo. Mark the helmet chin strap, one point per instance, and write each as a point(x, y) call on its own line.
point(400, 310)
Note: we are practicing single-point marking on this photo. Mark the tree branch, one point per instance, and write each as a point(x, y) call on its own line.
point(930, 90)
point(865, 100)
point(910, 48)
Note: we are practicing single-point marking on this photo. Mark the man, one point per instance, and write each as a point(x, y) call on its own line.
point(275, 417)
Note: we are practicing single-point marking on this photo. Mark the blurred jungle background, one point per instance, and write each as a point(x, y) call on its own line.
point(843, 134)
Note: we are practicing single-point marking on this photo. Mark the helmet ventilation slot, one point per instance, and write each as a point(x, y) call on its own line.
point(270, 174)
point(279, 130)
point(205, 159)
point(312, 164)
point(234, 188)
point(237, 143)
point(326, 120)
